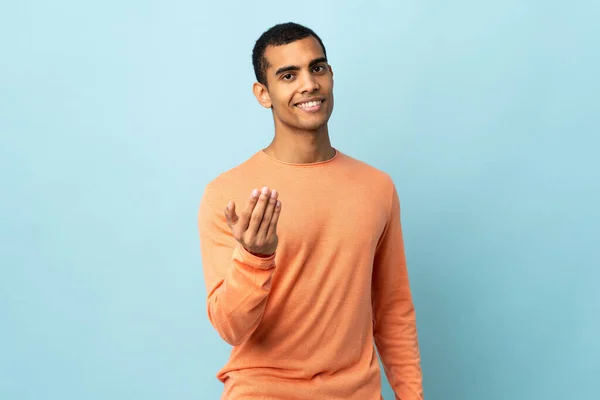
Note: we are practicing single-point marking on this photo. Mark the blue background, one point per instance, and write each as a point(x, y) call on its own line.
point(114, 115)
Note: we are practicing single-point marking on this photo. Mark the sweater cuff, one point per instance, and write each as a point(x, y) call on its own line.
point(247, 258)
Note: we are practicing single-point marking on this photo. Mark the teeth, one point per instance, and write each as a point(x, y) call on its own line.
point(309, 104)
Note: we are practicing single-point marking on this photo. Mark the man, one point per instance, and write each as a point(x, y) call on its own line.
point(302, 250)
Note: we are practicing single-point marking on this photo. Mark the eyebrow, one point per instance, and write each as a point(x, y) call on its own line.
point(296, 68)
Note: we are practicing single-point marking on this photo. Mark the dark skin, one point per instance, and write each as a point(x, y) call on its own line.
point(299, 91)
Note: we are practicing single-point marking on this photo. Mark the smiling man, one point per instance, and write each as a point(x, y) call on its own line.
point(302, 250)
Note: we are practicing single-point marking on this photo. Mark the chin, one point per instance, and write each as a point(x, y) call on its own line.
point(312, 126)
point(305, 124)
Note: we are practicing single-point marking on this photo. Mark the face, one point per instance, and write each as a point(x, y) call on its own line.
point(299, 85)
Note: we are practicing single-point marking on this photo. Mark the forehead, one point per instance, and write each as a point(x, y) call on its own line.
point(298, 53)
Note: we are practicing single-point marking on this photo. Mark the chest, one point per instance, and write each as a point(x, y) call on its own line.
point(341, 219)
point(332, 215)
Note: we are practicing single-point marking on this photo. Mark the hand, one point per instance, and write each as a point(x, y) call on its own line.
point(256, 228)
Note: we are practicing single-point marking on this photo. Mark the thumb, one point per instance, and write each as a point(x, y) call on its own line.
point(232, 217)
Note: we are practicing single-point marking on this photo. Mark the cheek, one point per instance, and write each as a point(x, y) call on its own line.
point(285, 101)
point(280, 97)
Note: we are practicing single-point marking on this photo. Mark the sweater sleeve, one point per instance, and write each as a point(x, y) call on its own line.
point(395, 330)
point(237, 282)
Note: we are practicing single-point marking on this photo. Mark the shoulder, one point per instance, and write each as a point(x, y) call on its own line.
point(218, 187)
point(368, 175)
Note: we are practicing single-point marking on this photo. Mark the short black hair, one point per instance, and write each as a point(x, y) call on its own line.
point(278, 35)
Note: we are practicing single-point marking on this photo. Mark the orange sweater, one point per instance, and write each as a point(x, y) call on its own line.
point(304, 322)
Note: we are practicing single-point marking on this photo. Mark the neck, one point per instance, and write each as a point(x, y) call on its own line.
point(301, 147)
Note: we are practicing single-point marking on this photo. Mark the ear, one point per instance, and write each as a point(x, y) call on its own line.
point(330, 70)
point(262, 94)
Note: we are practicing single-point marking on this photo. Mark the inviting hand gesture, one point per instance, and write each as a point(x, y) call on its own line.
point(256, 227)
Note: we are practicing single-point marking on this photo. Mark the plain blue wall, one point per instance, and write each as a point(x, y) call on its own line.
point(114, 115)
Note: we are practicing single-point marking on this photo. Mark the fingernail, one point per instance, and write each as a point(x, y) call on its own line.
point(274, 194)
point(255, 193)
point(265, 190)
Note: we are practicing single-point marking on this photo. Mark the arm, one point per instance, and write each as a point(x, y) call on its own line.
point(395, 330)
point(237, 281)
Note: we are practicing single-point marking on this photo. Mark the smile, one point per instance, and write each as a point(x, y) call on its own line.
point(310, 106)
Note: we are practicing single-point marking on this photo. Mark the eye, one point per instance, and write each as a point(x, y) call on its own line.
point(318, 68)
point(287, 77)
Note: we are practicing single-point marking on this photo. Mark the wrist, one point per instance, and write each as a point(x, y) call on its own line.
point(260, 255)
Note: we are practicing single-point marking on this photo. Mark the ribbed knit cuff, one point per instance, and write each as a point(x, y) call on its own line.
point(247, 258)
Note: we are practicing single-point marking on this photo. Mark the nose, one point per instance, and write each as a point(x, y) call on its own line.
point(308, 83)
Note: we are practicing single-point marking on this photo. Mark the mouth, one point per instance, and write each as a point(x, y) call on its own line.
point(311, 106)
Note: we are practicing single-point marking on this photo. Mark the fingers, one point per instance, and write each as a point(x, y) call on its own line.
point(259, 211)
point(268, 215)
point(260, 216)
point(247, 213)
point(230, 215)
point(273, 224)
